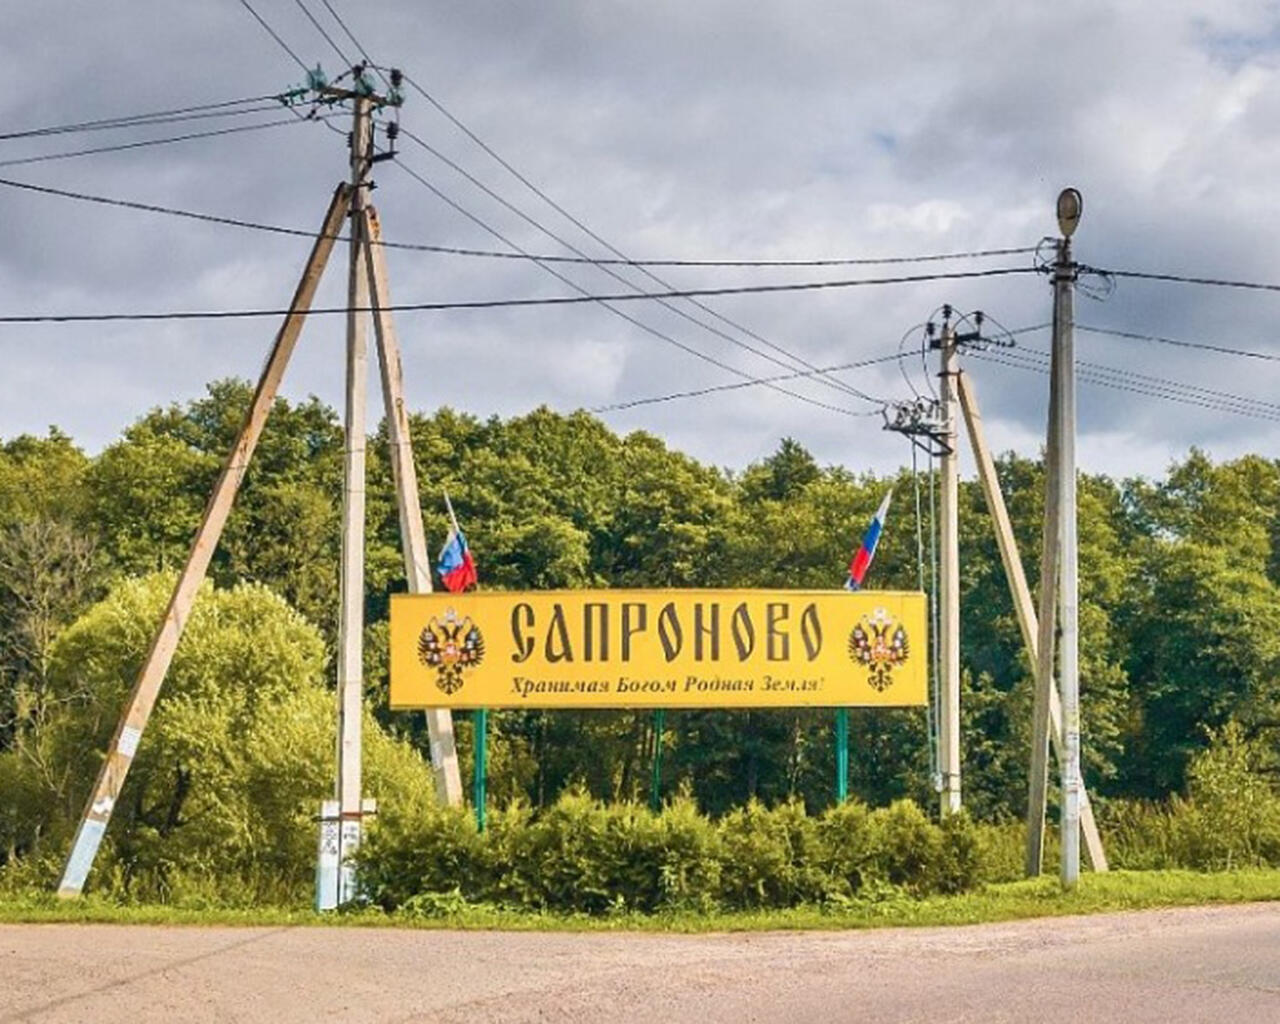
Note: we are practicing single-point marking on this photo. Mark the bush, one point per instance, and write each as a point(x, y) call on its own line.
point(581, 856)
point(849, 847)
point(769, 857)
point(1229, 819)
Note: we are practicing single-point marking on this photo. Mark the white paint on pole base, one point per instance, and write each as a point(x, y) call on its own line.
point(348, 884)
point(328, 857)
point(81, 860)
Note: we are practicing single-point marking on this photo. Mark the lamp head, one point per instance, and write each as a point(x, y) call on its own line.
point(1070, 207)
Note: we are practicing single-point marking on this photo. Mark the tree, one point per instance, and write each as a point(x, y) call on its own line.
point(237, 754)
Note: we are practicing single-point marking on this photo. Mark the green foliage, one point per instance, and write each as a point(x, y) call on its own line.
point(583, 856)
point(220, 800)
point(1230, 819)
point(1180, 635)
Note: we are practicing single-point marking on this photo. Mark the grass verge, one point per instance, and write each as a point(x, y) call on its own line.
point(1116, 891)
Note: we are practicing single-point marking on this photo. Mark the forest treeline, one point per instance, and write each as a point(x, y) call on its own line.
point(1180, 609)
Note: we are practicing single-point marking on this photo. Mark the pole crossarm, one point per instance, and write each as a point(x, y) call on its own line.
point(123, 747)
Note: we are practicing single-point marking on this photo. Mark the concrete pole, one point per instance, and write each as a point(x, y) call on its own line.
point(949, 582)
point(417, 562)
point(146, 688)
point(351, 577)
point(1070, 207)
point(1046, 693)
point(1028, 622)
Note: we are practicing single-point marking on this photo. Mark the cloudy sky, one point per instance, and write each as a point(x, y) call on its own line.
point(699, 130)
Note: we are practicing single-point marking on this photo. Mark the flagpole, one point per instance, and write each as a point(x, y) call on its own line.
point(453, 520)
point(857, 571)
point(479, 726)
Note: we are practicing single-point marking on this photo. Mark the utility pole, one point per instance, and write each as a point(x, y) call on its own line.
point(949, 574)
point(1048, 727)
point(1070, 207)
point(367, 272)
point(350, 689)
point(146, 688)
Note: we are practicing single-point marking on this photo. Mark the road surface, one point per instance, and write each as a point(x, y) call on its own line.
point(1195, 964)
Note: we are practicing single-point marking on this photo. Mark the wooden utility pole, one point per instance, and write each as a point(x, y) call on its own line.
point(366, 273)
point(1046, 692)
point(949, 578)
point(413, 543)
point(142, 698)
point(1032, 633)
point(1070, 207)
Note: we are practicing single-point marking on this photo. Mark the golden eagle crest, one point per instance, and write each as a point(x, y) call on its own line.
point(449, 647)
point(871, 644)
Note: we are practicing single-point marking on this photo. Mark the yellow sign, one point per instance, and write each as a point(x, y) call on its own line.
point(658, 648)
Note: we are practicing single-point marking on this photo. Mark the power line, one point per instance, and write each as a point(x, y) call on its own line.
point(272, 33)
point(830, 261)
point(354, 41)
point(661, 282)
point(717, 388)
point(1104, 380)
point(445, 250)
point(1165, 382)
point(829, 381)
point(586, 296)
point(1215, 282)
point(1248, 353)
point(558, 300)
point(320, 28)
point(128, 120)
point(148, 142)
point(837, 385)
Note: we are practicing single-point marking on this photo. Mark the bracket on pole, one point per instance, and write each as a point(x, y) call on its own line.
point(921, 422)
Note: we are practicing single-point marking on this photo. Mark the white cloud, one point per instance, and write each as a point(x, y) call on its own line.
point(811, 127)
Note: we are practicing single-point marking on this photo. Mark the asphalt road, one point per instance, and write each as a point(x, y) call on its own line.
point(1197, 964)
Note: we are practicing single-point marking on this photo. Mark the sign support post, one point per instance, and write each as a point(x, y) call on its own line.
point(480, 781)
point(842, 755)
point(655, 782)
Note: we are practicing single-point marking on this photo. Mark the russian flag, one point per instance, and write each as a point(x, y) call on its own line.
point(862, 559)
point(456, 567)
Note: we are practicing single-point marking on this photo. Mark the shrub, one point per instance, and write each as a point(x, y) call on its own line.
point(909, 847)
point(849, 847)
point(414, 851)
point(768, 857)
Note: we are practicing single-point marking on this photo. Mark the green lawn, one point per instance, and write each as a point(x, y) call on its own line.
point(1120, 890)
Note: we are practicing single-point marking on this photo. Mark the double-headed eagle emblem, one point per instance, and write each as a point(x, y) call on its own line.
point(449, 647)
point(872, 644)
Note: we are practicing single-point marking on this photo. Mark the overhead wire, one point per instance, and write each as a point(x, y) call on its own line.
point(446, 250)
point(364, 55)
point(1205, 346)
point(830, 382)
point(1166, 382)
point(1214, 282)
point(140, 144)
point(274, 35)
point(130, 120)
point(607, 269)
point(739, 385)
point(347, 62)
point(595, 236)
point(1174, 391)
point(556, 300)
point(606, 302)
